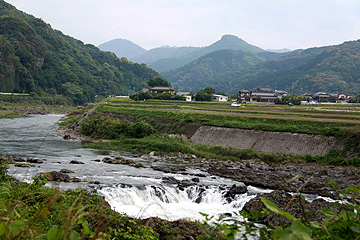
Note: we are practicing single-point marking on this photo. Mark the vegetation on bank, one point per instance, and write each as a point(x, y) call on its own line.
point(12, 106)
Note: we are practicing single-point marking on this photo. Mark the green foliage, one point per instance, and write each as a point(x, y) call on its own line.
point(158, 82)
point(108, 128)
point(205, 94)
point(37, 58)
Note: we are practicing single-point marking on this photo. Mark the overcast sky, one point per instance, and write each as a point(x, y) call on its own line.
point(269, 24)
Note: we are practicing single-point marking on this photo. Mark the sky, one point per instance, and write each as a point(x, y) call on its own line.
point(269, 24)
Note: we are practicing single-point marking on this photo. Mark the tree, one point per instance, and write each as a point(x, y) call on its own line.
point(158, 82)
point(205, 94)
point(209, 90)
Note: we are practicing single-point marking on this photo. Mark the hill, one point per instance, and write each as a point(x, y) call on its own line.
point(167, 58)
point(122, 48)
point(37, 59)
point(331, 69)
point(215, 69)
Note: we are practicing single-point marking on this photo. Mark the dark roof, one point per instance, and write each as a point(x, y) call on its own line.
point(244, 90)
point(162, 89)
point(264, 89)
point(281, 92)
point(264, 94)
point(183, 93)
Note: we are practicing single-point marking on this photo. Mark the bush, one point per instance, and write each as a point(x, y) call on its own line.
point(108, 128)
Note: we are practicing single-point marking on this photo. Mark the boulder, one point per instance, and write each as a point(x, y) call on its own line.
point(76, 162)
point(34, 160)
point(235, 190)
point(58, 177)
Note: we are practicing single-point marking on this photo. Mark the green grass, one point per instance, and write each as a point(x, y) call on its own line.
point(242, 121)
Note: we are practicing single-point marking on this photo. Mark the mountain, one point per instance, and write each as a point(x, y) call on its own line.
point(160, 53)
point(283, 50)
point(215, 69)
point(333, 69)
point(37, 59)
point(122, 48)
point(167, 58)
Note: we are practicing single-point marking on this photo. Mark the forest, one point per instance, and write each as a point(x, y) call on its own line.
point(39, 60)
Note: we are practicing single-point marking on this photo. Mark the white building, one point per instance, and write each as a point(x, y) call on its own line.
point(187, 95)
point(220, 98)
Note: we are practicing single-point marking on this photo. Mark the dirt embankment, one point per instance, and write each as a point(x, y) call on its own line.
point(263, 141)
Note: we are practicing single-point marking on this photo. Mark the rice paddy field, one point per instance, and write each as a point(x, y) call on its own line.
point(329, 120)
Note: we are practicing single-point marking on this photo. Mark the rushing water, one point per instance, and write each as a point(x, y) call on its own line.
point(138, 192)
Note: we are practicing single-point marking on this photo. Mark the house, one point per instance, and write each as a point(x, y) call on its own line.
point(345, 98)
point(244, 95)
point(187, 95)
point(220, 98)
point(281, 93)
point(160, 90)
point(264, 94)
point(308, 96)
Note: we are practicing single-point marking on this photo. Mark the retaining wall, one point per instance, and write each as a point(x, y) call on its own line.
point(263, 141)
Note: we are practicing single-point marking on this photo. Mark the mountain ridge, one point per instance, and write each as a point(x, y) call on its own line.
point(329, 68)
point(122, 48)
point(38, 59)
point(163, 59)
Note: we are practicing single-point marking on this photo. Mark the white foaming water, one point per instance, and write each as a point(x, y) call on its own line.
point(170, 203)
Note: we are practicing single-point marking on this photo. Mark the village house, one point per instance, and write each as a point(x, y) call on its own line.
point(325, 97)
point(244, 95)
point(160, 90)
point(263, 94)
point(345, 98)
point(187, 95)
point(219, 98)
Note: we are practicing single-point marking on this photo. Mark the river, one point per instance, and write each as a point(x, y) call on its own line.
point(138, 192)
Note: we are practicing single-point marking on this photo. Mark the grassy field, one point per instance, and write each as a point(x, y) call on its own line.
point(328, 120)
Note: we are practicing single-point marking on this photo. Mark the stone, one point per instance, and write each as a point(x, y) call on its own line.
point(76, 162)
point(66, 137)
point(34, 160)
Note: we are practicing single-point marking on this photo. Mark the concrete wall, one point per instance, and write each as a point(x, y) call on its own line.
point(263, 141)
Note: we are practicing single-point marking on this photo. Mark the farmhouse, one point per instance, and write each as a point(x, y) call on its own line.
point(160, 90)
point(263, 94)
point(187, 95)
point(219, 98)
point(244, 95)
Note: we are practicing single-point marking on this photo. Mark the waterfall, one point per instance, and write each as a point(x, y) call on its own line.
point(171, 203)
